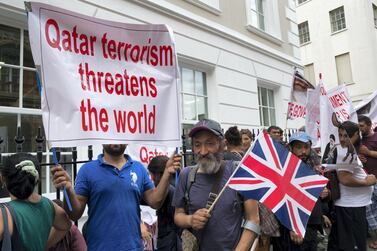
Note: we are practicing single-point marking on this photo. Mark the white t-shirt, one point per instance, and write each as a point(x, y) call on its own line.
point(353, 196)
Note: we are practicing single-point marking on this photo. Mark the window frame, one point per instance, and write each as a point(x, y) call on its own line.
point(268, 107)
point(194, 94)
point(304, 33)
point(272, 25)
point(348, 70)
point(337, 22)
point(259, 12)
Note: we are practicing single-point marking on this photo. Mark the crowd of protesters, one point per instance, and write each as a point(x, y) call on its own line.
point(190, 214)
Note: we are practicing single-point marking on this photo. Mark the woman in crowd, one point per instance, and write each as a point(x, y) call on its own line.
point(247, 139)
point(33, 221)
point(233, 141)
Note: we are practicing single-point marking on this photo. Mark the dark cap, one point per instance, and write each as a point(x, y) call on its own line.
point(207, 125)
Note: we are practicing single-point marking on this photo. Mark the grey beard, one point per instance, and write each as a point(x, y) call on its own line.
point(209, 163)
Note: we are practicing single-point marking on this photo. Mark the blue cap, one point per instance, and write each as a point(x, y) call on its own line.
point(300, 136)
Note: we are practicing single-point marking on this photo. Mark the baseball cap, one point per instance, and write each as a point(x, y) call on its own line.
point(207, 125)
point(300, 136)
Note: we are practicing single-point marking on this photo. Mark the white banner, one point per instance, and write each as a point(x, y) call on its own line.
point(368, 107)
point(335, 106)
point(104, 82)
point(145, 153)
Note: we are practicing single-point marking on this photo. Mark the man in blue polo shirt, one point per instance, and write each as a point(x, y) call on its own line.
point(112, 187)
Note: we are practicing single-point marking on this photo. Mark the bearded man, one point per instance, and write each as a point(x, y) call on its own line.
point(233, 223)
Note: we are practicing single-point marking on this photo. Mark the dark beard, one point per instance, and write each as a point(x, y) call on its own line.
point(114, 150)
point(209, 163)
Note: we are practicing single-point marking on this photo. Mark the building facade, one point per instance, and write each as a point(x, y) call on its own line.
point(338, 39)
point(236, 60)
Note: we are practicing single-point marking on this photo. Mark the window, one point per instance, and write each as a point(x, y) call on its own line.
point(309, 73)
point(303, 32)
point(266, 106)
point(18, 89)
point(337, 19)
point(343, 68)
point(375, 15)
point(194, 95)
point(263, 19)
point(257, 14)
point(301, 1)
point(20, 100)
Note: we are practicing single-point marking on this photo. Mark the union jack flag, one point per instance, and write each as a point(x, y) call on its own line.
point(274, 176)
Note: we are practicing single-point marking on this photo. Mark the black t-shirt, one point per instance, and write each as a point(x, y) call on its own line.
point(168, 233)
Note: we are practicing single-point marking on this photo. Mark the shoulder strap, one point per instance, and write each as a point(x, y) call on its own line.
point(7, 244)
point(216, 186)
point(189, 181)
point(16, 241)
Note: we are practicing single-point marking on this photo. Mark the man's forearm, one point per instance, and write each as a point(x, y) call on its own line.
point(160, 192)
point(183, 220)
point(372, 154)
point(77, 211)
point(346, 179)
point(246, 241)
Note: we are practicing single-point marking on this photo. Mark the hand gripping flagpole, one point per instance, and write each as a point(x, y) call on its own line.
point(66, 197)
point(235, 170)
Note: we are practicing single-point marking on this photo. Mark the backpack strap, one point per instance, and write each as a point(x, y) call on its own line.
point(216, 186)
point(189, 181)
point(7, 243)
point(16, 241)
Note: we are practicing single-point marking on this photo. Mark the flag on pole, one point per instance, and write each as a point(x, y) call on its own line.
point(274, 176)
point(297, 104)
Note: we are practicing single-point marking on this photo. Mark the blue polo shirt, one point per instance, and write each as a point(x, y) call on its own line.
point(113, 201)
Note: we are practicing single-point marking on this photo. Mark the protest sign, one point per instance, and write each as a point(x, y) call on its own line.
point(104, 82)
point(368, 107)
point(145, 153)
point(336, 107)
point(297, 104)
